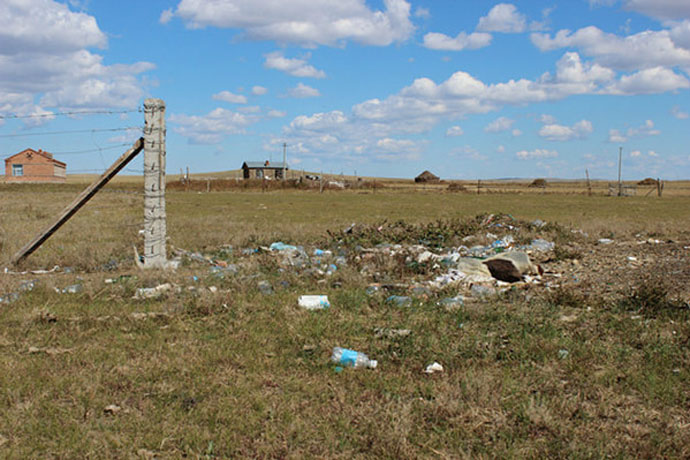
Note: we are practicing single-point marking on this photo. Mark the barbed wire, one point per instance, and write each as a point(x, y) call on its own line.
point(75, 131)
point(70, 113)
point(99, 149)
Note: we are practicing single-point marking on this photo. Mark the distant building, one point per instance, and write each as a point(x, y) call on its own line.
point(427, 177)
point(34, 166)
point(261, 170)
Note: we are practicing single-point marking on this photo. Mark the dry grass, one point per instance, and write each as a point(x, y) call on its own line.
point(239, 374)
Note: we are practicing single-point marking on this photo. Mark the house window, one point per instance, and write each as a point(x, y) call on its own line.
point(17, 170)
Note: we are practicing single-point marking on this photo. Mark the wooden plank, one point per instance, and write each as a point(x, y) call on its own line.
point(79, 201)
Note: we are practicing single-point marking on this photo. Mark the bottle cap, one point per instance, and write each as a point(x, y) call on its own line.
point(373, 363)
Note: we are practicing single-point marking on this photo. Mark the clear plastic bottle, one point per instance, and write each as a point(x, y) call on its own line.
point(352, 358)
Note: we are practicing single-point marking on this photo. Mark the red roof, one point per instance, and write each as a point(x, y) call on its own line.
point(46, 155)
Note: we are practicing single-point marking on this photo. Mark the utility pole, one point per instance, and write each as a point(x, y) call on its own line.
point(284, 160)
point(620, 159)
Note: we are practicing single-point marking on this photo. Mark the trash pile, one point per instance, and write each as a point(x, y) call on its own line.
point(448, 264)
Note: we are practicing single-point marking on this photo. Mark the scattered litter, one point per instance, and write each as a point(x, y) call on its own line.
point(481, 292)
point(9, 298)
point(539, 223)
point(511, 266)
point(421, 291)
point(148, 315)
point(433, 367)
point(213, 289)
point(33, 272)
point(452, 302)
point(48, 351)
point(372, 289)
point(282, 247)
point(72, 289)
point(605, 241)
point(150, 293)
point(352, 358)
point(314, 302)
point(391, 333)
point(265, 287)
point(563, 353)
point(112, 409)
point(400, 300)
point(541, 245)
point(119, 279)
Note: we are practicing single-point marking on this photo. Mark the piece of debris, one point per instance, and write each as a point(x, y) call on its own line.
point(352, 358)
point(391, 333)
point(150, 293)
point(313, 302)
point(433, 368)
point(399, 300)
point(112, 409)
point(511, 266)
point(265, 287)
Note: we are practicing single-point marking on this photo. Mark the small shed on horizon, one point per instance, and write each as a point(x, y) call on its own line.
point(31, 165)
point(263, 169)
point(427, 177)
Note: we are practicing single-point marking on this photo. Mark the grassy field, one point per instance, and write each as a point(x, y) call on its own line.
point(233, 372)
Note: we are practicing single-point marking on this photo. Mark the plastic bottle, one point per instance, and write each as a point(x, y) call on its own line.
point(352, 358)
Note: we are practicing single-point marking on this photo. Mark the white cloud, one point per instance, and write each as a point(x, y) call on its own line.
point(302, 91)
point(46, 26)
point(503, 17)
point(680, 33)
point(500, 149)
point(45, 62)
point(249, 109)
point(547, 119)
point(616, 137)
point(660, 9)
point(394, 145)
point(211, 128)
point(227, 96)
point(643, 50)
point(473, 41)
point(276, 114)
point(555, 132)
point(306, 22)
point(649, 81)
point(635, 153)
point(652, 153)
point(417, 108)
point(645, 130)
point(423, 13)
point(259, 90)
point(678, 113)
point(320, 122)
point(516, 132)
point(454, 131)
point(166, 16)
point(295, 67)
point(498, 125)
point(537, 153)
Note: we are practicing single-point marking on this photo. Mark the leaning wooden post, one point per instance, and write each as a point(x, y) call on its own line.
point(154, 184)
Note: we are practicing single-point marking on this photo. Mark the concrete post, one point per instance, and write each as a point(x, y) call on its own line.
point(154, 184)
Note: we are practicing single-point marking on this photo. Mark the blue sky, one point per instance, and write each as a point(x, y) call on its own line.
point(467, 89)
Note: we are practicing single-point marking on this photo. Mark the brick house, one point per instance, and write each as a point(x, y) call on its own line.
point(34, 166)
point(265, 169)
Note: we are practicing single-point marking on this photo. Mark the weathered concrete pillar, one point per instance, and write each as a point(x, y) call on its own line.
point(154, 184)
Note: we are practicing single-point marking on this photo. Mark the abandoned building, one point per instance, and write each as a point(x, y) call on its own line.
point(427, 177)
point(30, 165)
point(263, 170)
